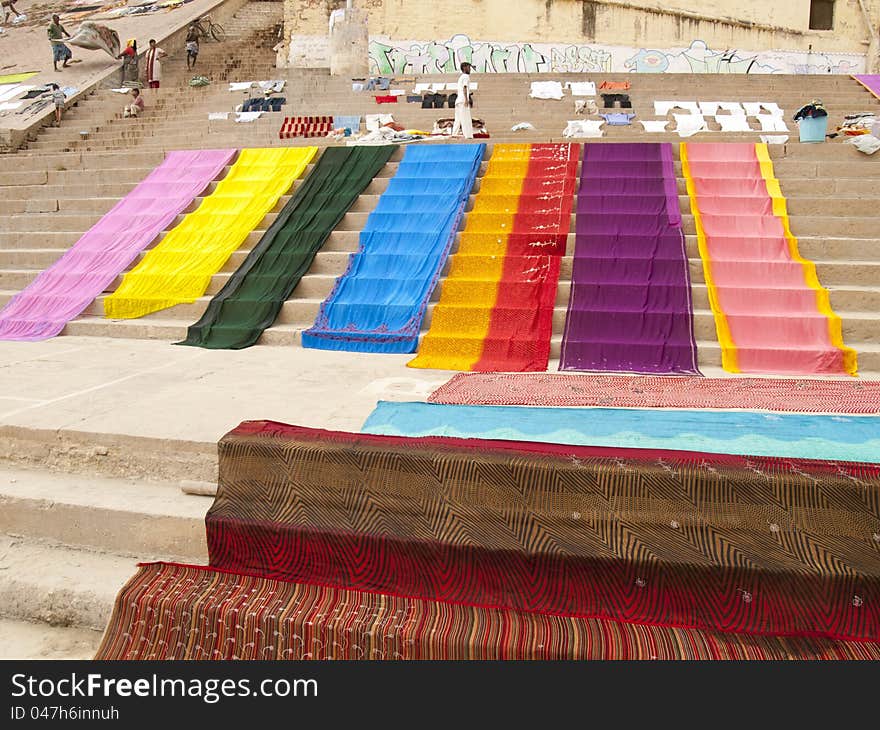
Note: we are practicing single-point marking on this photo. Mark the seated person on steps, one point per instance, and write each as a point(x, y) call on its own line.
point(136, 106)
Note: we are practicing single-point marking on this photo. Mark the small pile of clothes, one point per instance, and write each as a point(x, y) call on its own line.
point(855, 125)
point(443, 127)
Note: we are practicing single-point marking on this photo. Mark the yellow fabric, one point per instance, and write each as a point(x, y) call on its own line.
point(722, 328)
point(461, 319)
point(179, 269)
point(823, 298)
point(17, 78)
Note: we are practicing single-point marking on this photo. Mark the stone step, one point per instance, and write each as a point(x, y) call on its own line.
point(21, 640)
point(126, 517)
point(59, 585)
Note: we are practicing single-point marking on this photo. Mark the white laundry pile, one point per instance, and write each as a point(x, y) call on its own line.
point(771, 123)
point(546, 90)
point(521, 126)
point(733, 122)
point(273, 86)
point(581, 88)
point(247, 116)
point(583, 128)
point(654, 125)
point(377, 121)
point(866, 143)
point(687, 125)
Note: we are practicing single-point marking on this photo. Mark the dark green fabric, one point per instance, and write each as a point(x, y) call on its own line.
point(255, 293)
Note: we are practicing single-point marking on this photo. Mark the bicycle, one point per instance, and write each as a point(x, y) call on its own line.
point(210, 30)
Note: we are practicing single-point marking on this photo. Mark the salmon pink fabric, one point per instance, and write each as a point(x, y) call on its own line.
point(771, 313)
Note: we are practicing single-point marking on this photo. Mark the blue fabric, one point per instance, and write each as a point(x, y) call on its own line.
point(617, 119)
point(379, 303)
point(834, 438)
point(352, 123)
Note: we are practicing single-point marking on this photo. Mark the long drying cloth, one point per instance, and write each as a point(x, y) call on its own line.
point(617, 391)
point(771, 313)
point(179, 269)
point(253, 296)
point(870, 81)
point(190, 612)
point(496, 305)
point(630, 306)
point(689, 539)
point(66, 288)
point(845, 438)
point(379, 303)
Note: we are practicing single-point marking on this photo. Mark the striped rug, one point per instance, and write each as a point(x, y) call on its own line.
point(189, 612)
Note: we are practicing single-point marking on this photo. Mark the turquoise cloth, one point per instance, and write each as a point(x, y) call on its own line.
point(833, 438)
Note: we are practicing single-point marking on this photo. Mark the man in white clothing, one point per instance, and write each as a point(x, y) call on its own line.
point(463, 104)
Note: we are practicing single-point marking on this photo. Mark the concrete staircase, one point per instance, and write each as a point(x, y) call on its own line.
point(76, 515)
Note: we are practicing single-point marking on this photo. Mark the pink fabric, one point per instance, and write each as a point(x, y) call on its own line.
point(66, 288)
point(772, 313)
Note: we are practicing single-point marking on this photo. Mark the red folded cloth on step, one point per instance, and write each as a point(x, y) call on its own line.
point(386, 99)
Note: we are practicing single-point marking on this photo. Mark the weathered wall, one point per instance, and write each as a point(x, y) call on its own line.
point(602, 25)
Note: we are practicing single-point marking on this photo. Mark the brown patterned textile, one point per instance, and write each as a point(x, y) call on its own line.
point(722, 543)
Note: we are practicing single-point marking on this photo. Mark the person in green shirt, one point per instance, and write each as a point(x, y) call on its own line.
point(60, 52)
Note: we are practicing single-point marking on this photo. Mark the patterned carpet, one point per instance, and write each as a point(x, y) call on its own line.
point(771, 394)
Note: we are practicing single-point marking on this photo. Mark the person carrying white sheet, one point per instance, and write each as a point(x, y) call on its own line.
point(463, 121)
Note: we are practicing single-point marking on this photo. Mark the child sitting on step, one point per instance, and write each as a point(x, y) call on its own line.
point(136, 106)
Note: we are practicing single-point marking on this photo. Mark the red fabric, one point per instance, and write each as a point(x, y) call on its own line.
point(305, 127)
point(386, 99)
point(521, 323)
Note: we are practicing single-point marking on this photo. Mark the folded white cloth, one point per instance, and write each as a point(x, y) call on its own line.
point(771, 123)
point(688, 125)
point(581, 88)
point(546, 90)
point(121, 91)
point(753, 108)
point(774, 138)
point(437, 87)
point(662, 108)
point(396, 92)
point(421, 88)
point(583, 128)
point(241, 85)
point(772, 107)
point(733, 122)
point(521, 126)
point(866, 143)
point(654, 125)
point(247, 116)
point(10, 105)
point(734, 107)
point(218, 115)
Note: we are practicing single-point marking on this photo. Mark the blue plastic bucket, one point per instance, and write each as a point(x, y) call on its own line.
point(813, 129)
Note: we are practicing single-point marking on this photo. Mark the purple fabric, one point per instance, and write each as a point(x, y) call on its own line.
point(630, 308)
point(66, 288)
point(870, 81)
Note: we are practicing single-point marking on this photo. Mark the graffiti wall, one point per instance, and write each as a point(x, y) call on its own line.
point(424, 57)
